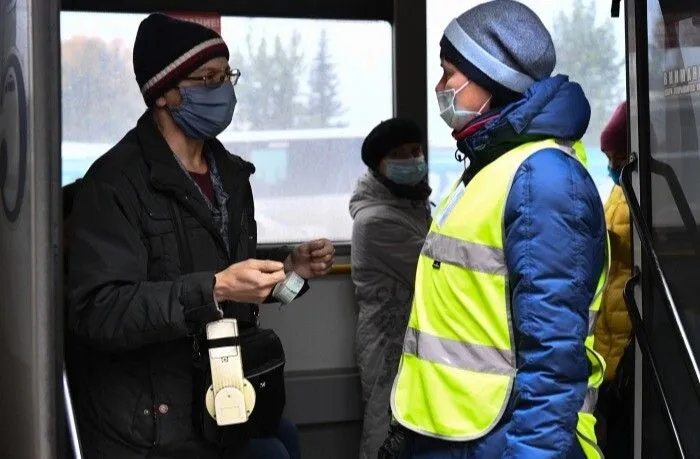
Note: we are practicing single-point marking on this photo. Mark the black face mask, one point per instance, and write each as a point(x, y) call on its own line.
point(419, 192)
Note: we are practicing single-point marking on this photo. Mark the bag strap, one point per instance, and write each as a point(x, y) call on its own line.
point(183, 246)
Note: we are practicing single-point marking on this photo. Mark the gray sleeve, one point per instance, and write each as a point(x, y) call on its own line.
point(393, 247)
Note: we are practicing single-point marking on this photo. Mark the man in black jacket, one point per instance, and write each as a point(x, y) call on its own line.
point(133, 307)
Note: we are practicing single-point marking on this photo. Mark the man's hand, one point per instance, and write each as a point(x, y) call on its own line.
point(311, 259)
point(249, 281)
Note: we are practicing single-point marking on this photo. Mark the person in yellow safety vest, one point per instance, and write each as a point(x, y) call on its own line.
point(498, 358)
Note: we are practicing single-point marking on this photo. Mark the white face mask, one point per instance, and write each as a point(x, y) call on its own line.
point(456, 119)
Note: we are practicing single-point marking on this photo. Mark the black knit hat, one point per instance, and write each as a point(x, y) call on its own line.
point(167, 49)
point(386, 136)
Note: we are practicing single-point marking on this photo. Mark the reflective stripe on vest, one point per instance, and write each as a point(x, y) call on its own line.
point(458, 363)
point(476, 257)
point(465, 356)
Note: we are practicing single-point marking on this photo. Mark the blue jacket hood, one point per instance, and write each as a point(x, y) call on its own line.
point(555, 107)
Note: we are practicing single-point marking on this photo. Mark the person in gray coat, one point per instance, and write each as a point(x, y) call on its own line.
point(391, 216)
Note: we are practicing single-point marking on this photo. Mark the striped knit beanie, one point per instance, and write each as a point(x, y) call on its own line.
point(502, 46)
point(168, 49)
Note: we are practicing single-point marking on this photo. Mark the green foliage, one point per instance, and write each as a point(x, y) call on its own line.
point(587, 52)
point(101, 99)
point(277, 90)
point(324, 108)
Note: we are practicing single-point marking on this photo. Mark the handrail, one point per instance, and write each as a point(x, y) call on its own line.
point(340, 268)
point(691, 226)
point(646, 241)
point(645, 346)
point(615, 9)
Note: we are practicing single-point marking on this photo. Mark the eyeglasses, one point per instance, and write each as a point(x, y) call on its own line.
point(217, 79)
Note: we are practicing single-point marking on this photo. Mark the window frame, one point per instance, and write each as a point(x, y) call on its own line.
point(407, 19)
point(382, 10)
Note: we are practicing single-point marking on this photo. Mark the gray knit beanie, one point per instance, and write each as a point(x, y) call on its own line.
point(502, 46)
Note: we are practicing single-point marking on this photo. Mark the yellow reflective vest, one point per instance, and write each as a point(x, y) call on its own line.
point(458, 364)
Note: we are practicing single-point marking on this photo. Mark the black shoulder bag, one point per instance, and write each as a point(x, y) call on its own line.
point(263, 365)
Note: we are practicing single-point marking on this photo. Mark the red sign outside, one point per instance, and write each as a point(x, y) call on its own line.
point(211, 20)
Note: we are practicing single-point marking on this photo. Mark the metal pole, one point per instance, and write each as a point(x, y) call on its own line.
point(70, 417)
point(645, 346)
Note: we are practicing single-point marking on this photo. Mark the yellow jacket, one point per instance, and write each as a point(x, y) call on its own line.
point(613, 327)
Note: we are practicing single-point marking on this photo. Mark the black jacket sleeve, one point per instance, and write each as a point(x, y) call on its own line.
point(276, 253)
point(112, 305)
point(279, 253)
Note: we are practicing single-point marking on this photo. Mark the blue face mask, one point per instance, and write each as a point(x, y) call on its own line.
point(614, 174)
point(205, 112)
point(406, 171)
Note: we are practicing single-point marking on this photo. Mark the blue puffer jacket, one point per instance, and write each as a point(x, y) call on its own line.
point(554, 246)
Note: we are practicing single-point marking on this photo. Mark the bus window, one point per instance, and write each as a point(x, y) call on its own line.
point(308, 94)
point(271, 164)
point(601, 74)
point(673, 32)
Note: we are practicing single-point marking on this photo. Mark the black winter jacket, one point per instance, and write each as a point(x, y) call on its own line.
point(128, 300)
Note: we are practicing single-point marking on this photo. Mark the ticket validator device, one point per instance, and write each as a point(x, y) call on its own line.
point(231, 398)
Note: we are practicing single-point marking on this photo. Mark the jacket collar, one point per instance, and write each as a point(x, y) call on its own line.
point(166, 173)
point(551, 108)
